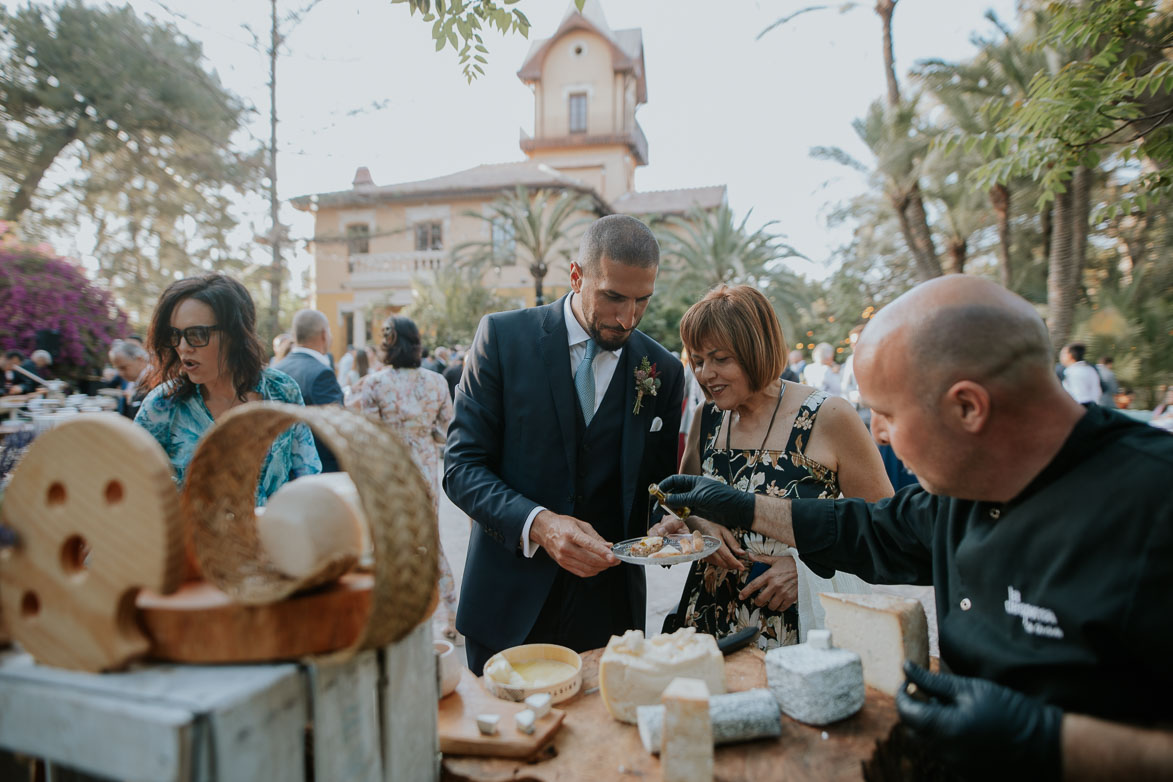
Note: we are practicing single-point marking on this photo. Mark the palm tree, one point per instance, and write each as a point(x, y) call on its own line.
point(709, 248)
point(531, 227)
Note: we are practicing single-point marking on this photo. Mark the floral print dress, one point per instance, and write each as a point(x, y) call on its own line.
point(415, 403)
point(710, 600)
point(178, 426)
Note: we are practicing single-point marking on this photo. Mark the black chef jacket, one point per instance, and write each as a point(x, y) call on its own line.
point(1065, 592)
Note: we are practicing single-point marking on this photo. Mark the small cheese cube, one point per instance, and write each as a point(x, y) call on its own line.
point(539, 703)
point(525, 720)
point(487, 724)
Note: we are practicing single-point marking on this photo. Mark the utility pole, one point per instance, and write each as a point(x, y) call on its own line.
point(276, 268)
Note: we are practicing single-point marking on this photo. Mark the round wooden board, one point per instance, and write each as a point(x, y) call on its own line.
point(201, 624)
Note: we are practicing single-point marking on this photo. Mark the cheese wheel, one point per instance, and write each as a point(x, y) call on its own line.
point(884, 630)
point(634, 671)
point(686, 752)
point(309, 521)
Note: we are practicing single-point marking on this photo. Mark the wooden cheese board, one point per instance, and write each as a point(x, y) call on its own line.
point(201, 624)
point(458, 723)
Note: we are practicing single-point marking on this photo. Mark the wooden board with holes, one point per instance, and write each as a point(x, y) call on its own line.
point(201, 624)
point(458, 723)
point(97, 516)
point(591, 745)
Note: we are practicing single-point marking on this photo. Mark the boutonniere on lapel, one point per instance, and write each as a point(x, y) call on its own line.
point(647, 381)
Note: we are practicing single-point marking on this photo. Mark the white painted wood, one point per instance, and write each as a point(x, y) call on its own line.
point(95, 733)
point(411, 737)
point(261, 736)
point(225, 723)
point(344, 699)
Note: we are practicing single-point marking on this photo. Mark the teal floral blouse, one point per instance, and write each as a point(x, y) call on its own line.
point(178, 426)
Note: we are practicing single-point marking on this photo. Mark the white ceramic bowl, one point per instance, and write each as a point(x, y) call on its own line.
point(448, 667)
point(558, 691)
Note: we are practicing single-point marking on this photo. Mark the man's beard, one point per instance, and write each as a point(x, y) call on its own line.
point(611, 343)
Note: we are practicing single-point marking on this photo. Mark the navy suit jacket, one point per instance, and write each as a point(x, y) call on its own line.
point(319, 386)
point(512, 445)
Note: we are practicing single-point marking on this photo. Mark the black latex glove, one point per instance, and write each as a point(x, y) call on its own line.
point(982, 727)
point(709, 499)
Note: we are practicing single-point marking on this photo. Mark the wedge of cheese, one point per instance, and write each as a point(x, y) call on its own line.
point(686, 750)
point(884, 630)
point(634, 671)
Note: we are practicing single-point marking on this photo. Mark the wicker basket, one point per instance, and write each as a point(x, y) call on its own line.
point(220, 493)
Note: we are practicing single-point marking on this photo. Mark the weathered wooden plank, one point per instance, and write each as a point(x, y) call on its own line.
point(344, 699)
point(261, 735)
point(410, 735)
point(97, 734)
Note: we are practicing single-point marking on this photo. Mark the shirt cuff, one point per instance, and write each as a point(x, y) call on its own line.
point(528, 547)
point(814, 524)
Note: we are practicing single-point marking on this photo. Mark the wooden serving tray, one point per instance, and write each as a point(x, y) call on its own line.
point(201, 624)
point(458, 723)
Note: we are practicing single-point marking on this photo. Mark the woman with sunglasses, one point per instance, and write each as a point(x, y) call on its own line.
point(208, 360)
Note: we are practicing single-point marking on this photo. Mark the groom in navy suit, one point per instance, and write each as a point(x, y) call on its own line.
point(552, 450)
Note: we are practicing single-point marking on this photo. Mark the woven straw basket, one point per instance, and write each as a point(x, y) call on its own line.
point(220, 492)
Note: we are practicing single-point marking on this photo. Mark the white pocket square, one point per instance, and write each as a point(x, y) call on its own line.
point(657, 424)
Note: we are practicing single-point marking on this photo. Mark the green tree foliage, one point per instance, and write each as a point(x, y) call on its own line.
point(536, 228)
point(448, 308)
point(125, 106)
point(459, 24)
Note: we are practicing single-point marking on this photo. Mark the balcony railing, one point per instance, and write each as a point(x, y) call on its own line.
point(393, 270)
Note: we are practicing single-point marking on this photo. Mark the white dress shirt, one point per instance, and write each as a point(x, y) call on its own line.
point(605, 363)
point(1082, 381)
point(311, 352)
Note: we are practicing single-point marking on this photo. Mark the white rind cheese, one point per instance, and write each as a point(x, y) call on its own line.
point(686, 752)
point(814, 682)
point(309, 521)
point(735, 716)
point(634, 671)
point(884, 630)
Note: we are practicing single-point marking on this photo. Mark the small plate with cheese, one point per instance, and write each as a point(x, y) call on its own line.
point(516, 673)
point(666, 549)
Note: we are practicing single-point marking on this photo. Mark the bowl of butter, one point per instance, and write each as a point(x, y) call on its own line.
point(516, 673)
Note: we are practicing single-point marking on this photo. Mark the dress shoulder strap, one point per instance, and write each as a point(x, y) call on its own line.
point(710, 423)
point(804, 422)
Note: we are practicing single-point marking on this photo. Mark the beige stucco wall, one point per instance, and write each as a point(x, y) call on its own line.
point(565, 72)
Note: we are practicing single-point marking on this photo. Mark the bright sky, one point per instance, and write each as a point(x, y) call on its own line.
point(361, 84)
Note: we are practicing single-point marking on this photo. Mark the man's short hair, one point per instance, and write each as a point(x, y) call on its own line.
point(308, 324)
point(14, 354)
point(741, 320)
point(132, 350)
point(1077, 350)
point(620, 238)
point(1106, 361)
point(822, 351)
point(44, 355)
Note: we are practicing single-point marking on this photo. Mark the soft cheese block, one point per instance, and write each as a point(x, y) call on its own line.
point(884, 630)
point(634, 670)
point(814, 682)
point(310, 520)
point(686, 751)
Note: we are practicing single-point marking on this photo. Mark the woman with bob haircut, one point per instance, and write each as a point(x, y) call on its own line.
point(208, 359)
point(415, 403)
point(763, 435)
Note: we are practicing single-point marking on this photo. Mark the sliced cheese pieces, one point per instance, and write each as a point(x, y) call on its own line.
point(884, 630)
point(634, 671)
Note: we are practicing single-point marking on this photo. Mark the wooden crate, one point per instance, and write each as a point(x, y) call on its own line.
point(372, 718)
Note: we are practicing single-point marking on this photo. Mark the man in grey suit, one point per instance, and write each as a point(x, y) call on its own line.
point(308, 365)
point(552, 450)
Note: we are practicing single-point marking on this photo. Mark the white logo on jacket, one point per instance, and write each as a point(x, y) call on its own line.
point(1035, 619)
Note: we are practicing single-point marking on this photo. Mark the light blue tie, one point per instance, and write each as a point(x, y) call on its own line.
point(584, 381)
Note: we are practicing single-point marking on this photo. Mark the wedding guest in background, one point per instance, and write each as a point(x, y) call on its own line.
point(307, 365)
point(282, 344)
point(208, 360)
point(133, 364)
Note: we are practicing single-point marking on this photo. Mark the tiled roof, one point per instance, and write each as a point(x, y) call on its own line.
point(483, 179)
point(670, 201)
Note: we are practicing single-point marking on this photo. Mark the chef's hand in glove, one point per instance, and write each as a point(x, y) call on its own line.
point(984, 728)
point(709, 499)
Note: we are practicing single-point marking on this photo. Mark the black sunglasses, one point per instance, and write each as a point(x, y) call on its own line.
point(196, 336)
